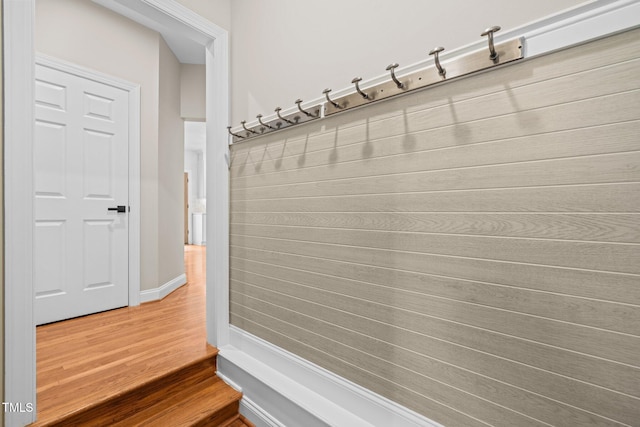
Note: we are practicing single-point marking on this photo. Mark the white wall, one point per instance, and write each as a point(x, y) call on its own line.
point(191, 166)
point(288, 49)
point(216, 11)
point(170, 169)
point(192, 91)
point(194, 165)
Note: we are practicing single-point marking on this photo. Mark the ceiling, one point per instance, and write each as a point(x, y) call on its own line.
point(188, 50)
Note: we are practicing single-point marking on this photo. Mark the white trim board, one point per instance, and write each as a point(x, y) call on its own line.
point(257, 415)
point(217, 173)
point(250, 409)
point(277, 385)
point(578, 25)
point(19, 113)
point(156, 294)
point(133, 90)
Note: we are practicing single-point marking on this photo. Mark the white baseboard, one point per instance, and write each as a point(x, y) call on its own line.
point(282, 389)
point(249, 408)
point(257, 415)
point(156, 294)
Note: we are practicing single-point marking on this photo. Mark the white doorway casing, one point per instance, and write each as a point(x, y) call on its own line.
point(18, 16)
point(178, 19)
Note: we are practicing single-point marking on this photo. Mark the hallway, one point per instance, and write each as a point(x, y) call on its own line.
point(86, 360)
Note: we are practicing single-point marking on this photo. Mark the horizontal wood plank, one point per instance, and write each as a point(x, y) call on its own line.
point(618, 137)
point(598, 256)
point(601, 169)
point(620, 228)
point(614, 198)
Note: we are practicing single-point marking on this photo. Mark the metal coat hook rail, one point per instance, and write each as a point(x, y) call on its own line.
point(495, 55)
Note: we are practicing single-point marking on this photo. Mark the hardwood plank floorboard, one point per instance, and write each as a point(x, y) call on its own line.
point(89, 359)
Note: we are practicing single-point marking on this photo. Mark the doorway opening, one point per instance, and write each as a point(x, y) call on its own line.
point(20, 367)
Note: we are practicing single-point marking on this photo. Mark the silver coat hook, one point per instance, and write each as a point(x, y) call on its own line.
point(489, 32)
point(326, 94)
point(392, 68)
point(435, 52)
point(357, 80)
point(243, 123)
point(306, 113)
point(234, 134)
point(277, 110)
point(259, 117)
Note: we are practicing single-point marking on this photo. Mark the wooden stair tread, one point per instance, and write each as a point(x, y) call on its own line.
point(78, 392)
point(137, 397)
point(209, 403)
point(191, 395)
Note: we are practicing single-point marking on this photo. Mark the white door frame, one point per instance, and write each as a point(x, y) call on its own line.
point(134, 158)
point(19, 60)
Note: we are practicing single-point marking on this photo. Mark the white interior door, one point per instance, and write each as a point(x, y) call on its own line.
point(81, 172)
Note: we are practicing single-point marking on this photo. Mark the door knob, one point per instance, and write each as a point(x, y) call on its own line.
point(119, 209)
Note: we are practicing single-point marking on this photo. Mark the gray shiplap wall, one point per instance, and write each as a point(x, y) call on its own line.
point(470, 251)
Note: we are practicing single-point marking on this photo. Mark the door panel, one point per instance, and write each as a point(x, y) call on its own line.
point(81, 170)
point(49, 161)
point(98, 167)
point(51, 254)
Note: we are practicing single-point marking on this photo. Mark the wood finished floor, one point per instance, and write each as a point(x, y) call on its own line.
point(89, 359)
